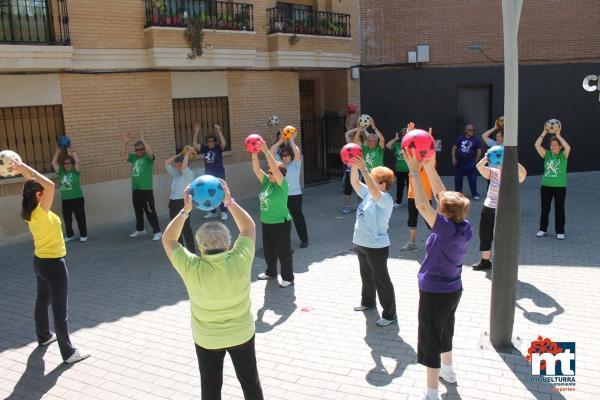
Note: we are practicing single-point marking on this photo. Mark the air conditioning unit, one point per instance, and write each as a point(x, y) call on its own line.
point(412, 57)
point(423, 53)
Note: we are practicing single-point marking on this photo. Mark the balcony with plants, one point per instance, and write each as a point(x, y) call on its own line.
point(307, 22)
point(220, 15)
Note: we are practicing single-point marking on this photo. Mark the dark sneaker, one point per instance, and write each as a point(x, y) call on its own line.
point(483, 265)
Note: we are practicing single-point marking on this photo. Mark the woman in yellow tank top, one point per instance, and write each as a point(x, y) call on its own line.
point(49, 263)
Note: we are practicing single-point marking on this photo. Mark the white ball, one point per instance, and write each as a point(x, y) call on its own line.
point(552, 125)
point(364, 121)
point(273, 120)
point(6, 163)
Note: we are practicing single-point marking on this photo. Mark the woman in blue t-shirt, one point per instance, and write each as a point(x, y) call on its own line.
point(440, 285)
point(213, 160)
point(289, 154)
point(371, 238)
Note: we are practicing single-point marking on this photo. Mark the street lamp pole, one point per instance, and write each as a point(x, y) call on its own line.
point(506, 234)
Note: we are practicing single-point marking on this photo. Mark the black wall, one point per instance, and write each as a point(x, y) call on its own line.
point(427, 96)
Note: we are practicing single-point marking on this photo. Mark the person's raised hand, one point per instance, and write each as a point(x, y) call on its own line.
point(410, 126)
point(359, 163)
point(227, 196)
point(411, 160)
point(127, 137)
point(187, 200)
point(558, 132)
point(197, 128)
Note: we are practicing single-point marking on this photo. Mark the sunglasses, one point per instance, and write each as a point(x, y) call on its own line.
point(285, 155)
point(142, 149)
point(67, 163)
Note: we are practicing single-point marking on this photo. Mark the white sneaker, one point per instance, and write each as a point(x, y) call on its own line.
point(285, 284)
point(51, 340)
point(68, 239)
point(210, 215)
point(137, 233)
point(410, 246)
point(425, 397)
point(76, 357)
point(83, 239)
point(157, 236)
point(449, 377)
point(224, 216)
point(262, 276)
point(397, 205)
point(560, 236)
point(540, 234)
point(476, 198)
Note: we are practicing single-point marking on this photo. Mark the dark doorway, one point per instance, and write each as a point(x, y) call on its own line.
point(474, 106)
point(322, 137)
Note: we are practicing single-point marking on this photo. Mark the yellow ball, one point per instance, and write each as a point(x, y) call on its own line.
point(288, 132)
point(187, 148)
point(500, 122)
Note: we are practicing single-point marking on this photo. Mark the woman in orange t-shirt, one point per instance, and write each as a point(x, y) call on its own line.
point(413, 213)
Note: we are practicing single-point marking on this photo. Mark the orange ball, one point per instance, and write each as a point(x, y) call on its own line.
point(500, 122)
point(288, 132)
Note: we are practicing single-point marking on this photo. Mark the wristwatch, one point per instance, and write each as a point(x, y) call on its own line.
point(414, 174)
point(184, 214)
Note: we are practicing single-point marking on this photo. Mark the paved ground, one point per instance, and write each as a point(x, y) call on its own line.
point(129, 308)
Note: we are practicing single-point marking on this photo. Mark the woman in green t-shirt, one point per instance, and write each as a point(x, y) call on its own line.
point(401, 168)
point(275, 218)
point(554, 182)
point(70, 193)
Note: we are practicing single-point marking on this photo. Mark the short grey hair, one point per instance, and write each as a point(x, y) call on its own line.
point(213, 236)
point(372, 136)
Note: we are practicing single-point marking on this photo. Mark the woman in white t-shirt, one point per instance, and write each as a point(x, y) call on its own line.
point(289, 154)
point(488, 211)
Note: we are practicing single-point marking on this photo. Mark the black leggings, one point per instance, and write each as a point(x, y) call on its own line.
point(52, 288)
point(143, 202)
point(559, 194)
point(413, 214)
point(244, 363)
point(77, 207)
point(436, 326)
point(376, 280)
point(347, 185)
point(486, 228)
point(175, 206)
point(277, 246)
point(294, 204)
point(401, 182)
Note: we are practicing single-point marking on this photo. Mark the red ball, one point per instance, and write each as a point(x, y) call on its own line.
point(351, 108)
point(421, 142)
point(350, 152)
point(252, 141)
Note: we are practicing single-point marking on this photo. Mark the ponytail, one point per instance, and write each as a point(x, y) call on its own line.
point(30, 201)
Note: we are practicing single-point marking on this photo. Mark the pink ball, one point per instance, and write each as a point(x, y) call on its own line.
point(252, 141)
point(352, 108)
point(350, 152)
point(421, 142)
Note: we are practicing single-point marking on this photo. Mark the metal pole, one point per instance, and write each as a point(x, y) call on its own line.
point(506, 234)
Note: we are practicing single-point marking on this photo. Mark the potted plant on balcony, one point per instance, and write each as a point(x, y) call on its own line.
point(194, 34)
point(158, 7)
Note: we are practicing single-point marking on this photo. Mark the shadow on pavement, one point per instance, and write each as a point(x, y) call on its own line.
point(281, 301)
point(33, 384)
point(540, 299)
point(385, 342)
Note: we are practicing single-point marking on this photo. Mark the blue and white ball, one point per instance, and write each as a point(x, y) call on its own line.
point(64, 142)
point(495, 154)
point(207, 192)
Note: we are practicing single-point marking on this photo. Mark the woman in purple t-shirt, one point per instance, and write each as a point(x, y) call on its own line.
point(440, 285)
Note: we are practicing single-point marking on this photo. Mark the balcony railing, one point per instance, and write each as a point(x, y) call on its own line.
point(213, 14)
point(289, 20)
point(34, 22)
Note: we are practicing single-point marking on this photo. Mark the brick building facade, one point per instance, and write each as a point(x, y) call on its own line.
point(463, 81)
point(94, 70)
